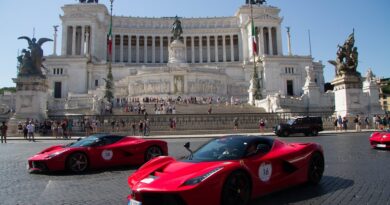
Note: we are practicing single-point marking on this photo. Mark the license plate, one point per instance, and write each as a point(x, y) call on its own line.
point(381, 145)
point(134, 202)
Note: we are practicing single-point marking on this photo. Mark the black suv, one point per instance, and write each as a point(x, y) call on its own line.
point(307, 125)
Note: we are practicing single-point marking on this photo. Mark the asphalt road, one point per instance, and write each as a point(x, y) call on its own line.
point(354, 174)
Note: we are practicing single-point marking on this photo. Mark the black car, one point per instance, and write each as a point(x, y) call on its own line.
point(307, 125)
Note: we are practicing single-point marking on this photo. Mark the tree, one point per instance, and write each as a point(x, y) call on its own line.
point(9, 89)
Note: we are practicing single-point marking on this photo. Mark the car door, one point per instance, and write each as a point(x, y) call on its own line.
point(266, 171)
point(102, 153)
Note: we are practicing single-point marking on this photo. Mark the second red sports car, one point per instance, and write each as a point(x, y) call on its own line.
point(226, 171)
point(380, 139)
point(96, 151)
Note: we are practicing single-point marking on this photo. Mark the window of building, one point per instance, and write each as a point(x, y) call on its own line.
point(96, 83)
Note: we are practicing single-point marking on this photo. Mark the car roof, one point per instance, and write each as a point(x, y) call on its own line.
point(101, 135)
point(248, 138)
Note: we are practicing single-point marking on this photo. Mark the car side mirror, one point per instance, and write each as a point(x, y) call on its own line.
point(187, 145)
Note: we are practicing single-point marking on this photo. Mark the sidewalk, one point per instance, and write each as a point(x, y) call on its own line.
point(200, 134)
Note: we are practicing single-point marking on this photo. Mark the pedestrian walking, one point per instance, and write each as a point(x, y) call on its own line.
point(133, 127)
point(3, 129)
point(367, 122)
point(357, 123)
point(31, 130)
point(335, 124)
point(25, 131)
point(340, 122)
point(235, 122)
point(261, 126)
point(345, 123)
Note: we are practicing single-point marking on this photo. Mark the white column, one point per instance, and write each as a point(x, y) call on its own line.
point(137, 49)
point(243, 45)
point(231, 48)
point(86, 52)
point(129, 48)
point(113, 48)
point(145, 49)
point(82, 41)
point(216, 48)
point(121, 48)
point(271, 50)
point(74, 41)
point(55, 42)
point(192, 49)
point(208, 49)
point(200, 49)
point(65, 39)
point(224, 48)
point(261, 42)
point(153, 49)
point(185, 46)
point(161, 50)
point(279, 41)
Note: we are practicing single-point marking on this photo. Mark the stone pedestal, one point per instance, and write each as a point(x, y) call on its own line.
point(30, 100)
point(371, 89)
point(348, 95)
point(177, 57)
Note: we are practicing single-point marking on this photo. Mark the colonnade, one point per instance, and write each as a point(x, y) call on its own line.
point(154, 49)
point(78, 40)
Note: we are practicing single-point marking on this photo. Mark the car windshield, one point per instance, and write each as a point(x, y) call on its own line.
point(86, 142)
point(227, 148)
point(291, 121)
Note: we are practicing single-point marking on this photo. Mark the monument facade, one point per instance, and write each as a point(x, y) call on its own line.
point(171, 57)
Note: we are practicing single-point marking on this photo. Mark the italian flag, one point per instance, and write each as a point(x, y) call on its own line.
point(109, 41)
point(254, 42)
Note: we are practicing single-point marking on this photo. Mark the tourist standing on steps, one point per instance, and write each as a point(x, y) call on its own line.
point(30, 131)
point(3, 129)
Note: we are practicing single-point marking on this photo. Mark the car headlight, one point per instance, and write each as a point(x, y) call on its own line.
point(197, 180)
point(55, 154)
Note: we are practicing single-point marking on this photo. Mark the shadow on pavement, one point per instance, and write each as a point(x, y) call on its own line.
point(305, 192)
point(88, 172)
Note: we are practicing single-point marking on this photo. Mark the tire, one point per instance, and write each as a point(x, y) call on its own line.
point(236, 189)
point(77, 162)
point(152, 152)
point(285, 133)
point(314, 132)
point(316, 168)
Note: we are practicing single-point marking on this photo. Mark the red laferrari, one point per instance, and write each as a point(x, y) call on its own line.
point(96, 151)
point(226, 171)
point(380, 140)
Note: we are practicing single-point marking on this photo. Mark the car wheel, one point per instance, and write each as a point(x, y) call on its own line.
point(77, 162)
point(306, 134)
point(316, 168)
point(285, 134)
point(314, 132)
point(236, 189)
point(152, 152)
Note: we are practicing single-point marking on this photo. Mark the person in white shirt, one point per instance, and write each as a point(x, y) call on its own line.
point(30, 131)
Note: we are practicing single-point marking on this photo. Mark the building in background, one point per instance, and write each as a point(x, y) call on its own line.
point(218, 53)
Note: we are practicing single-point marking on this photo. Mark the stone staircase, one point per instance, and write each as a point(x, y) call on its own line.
point(199, 109)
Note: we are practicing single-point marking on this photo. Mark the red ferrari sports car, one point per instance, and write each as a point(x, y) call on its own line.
point(95, 151)
point(380, 139)
point(226, 171)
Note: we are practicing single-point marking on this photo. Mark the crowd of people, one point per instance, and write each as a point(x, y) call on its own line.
point(377, 122)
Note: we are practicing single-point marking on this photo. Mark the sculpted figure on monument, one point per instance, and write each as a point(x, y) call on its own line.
point(176, 29)
point(31, 61)
point(347, 58)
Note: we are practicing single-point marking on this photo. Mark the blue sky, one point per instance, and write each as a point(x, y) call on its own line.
point(330, 22)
